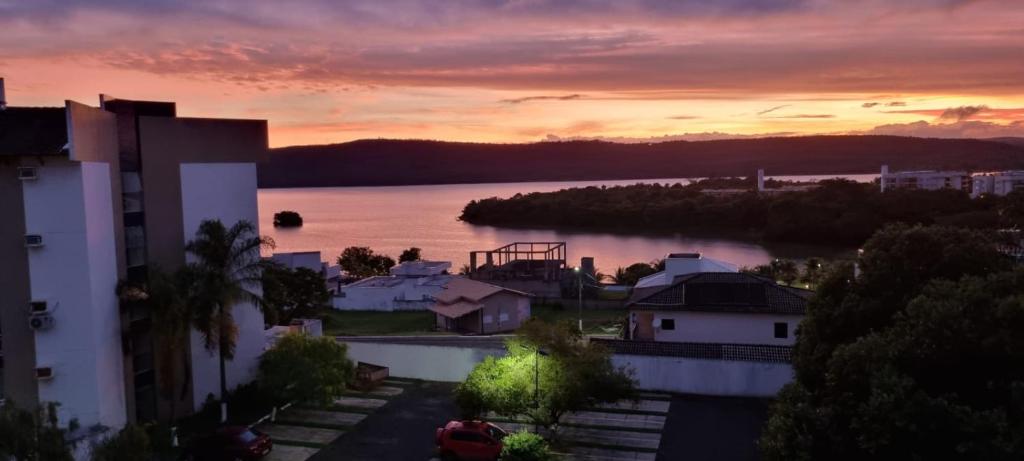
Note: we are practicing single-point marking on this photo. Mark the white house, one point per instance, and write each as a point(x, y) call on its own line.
point(719, 308)
point(997, 183)
point(411, 286)
point(701, 327)
point(677, 264)
point(925, 180)
point(311, 260)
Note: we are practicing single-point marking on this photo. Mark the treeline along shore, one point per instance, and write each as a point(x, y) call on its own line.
point(836, 212)
point(389, 162)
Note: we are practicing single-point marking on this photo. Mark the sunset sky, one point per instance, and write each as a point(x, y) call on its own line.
point(529, 70)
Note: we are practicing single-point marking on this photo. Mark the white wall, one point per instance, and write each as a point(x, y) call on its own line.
point(434, 363)
point(363, 297)
point(668, 374)
point(711, 327)
point(71, 206)
point(225, 191)
point(706, 377)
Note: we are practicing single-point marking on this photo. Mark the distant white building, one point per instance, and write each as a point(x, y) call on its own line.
point(311, 260)
point(925, 180)
point(411, 286)
point(677, 264)
point(997, 183)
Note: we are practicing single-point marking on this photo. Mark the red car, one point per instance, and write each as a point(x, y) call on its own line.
point(469, 441)
point(231, 443)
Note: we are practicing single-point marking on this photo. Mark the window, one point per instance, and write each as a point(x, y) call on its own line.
point(781, 330)
point(466, 436)
point(488, 319)
point(668, 324)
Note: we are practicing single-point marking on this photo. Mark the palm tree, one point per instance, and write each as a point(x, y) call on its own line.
point(620, 277)
point(166, 297)
point(226, 272)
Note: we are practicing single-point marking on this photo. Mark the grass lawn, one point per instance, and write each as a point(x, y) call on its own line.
point(369, 323)
point(595, 321)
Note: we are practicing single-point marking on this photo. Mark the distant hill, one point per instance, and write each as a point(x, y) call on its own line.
point(1009, 140)
point(396, 162)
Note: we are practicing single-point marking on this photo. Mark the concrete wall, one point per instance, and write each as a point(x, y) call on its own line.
point(711, 327)
point(667, 374)
point(706, 377)
point(434, 363)
point(225, 191)
point(76, 272)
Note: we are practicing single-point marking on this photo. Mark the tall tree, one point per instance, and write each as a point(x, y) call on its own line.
point(917, 357)
point(412, 254)
point(361, 262)
point(227, 272)
point(292, 293)
point(166, 296)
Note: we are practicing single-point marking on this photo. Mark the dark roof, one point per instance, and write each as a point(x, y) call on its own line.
point(708, 351)
point(721, 292)
point(33, 131)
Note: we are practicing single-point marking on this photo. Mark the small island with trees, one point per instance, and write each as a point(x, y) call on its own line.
point(287, 219)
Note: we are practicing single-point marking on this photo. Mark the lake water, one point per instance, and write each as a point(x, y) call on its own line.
point(390, 219)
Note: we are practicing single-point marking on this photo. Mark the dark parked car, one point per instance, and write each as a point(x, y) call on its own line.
point(231, 443)
point(469, 441)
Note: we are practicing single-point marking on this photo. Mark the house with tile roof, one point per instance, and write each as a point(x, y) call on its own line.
point(470, 306)
point(717, 307)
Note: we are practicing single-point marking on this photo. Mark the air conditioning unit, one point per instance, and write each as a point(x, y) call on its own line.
point(33, 240)
point(28, 173)
point(40, 322)
point(44, 373)
point(38, 307)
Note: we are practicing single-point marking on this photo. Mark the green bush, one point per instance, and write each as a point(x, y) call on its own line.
point(304, 369)
point(129, 444)
point(525, 446)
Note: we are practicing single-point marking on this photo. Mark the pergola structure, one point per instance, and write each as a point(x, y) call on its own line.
point(520, 261)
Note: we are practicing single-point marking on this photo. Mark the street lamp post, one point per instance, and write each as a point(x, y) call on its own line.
point(536, 383)
point(579, 301)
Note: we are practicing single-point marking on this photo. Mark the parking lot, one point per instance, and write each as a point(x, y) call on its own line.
point(397, 422)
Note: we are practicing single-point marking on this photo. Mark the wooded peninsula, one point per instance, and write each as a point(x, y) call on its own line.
point(834, 212)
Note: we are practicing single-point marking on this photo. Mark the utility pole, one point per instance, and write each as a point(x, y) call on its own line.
point(579, 301)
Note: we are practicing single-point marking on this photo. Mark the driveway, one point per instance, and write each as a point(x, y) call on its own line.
point(713, 428)
point(401, 430)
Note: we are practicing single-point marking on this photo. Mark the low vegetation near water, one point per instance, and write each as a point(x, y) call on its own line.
point(839, 211)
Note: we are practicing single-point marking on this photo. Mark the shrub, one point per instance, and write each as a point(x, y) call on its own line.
point(525, 446)
point(287, 219)
point(304, 369)
point(129, 444)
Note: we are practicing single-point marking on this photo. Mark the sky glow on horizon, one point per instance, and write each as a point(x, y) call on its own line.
point(530, 70)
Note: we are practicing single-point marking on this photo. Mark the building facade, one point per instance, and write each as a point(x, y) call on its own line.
point(998, 183)
point(95, 196)
point(469, 306)
point(925, 180)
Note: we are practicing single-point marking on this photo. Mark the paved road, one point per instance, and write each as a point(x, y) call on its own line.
point(401, 430)
point(713, 428)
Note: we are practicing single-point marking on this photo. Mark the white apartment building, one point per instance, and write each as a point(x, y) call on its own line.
point(997, 183)
point(92, 196)
point(925, 180)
